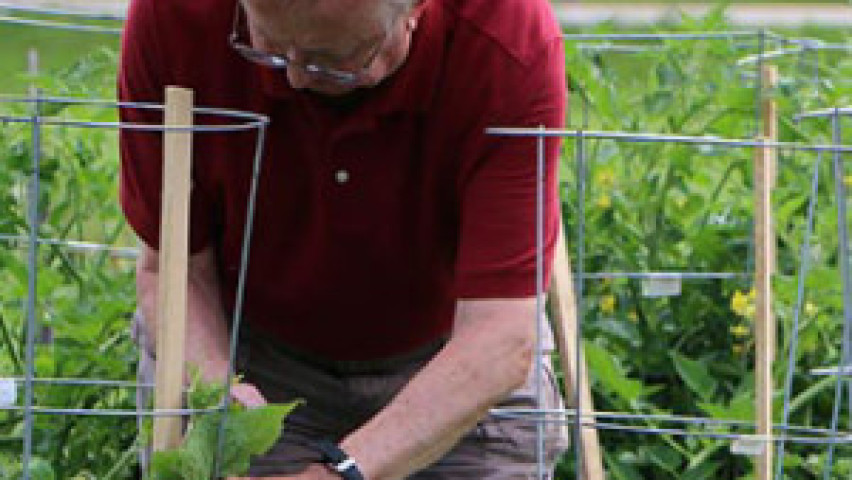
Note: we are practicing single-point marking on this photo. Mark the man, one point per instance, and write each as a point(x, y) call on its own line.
point(392, 273)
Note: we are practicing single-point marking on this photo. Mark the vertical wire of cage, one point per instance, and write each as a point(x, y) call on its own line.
point(843, 371)
point(764, 48)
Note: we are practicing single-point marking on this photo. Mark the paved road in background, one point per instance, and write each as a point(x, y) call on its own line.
point(575, 13)
point(743, 15)
point(97, 6)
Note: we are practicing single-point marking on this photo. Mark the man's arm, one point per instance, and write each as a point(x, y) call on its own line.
point(488, 356)
point(207, 334)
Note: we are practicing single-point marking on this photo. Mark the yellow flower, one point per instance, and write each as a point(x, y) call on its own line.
point(738, 348)
point(847, 180)
point(633, 316)
point(605, 177)
point(740, 304)
point(740, 330)
point(752, 294)
point(603, 202)
point(811, 310)
point(608, 303)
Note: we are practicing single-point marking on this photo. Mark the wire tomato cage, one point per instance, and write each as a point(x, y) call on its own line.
point(587, 148)
point(46, 114)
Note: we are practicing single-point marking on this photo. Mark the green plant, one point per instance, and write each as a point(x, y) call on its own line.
point(679, 207)
point(246, 433)
point(84, 301)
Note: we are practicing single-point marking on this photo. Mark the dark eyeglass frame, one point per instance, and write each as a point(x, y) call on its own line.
point(281, 62)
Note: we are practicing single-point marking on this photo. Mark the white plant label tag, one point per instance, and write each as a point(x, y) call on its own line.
point(8, 392)
point(749, 445)
point(661, 287)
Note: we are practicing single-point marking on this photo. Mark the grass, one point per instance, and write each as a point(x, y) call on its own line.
point(56, 49)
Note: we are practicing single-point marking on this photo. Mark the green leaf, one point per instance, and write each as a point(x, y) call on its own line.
point(168, 466)
point(701, 471)
point(741, 408)
point(252, 432)
point(39, 469)
point(665, 458)
point(610, 375)
point(248, 433)
point(695, 375)
point(267, 422)
point(620, 470)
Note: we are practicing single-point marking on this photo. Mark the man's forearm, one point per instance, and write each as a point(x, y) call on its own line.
point(488, 356)
point(207, 334)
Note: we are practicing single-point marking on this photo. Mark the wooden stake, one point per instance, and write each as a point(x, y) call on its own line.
point(564, 316)
point(764, 321)
point(173, 258)
point(764, 240)
point(769, 109)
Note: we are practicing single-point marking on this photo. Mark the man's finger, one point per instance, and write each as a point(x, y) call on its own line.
point(248, 395)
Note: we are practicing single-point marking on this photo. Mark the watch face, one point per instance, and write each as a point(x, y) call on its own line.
point(337, 460)
point(345, 465)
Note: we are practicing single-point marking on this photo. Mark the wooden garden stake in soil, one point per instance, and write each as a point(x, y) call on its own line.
point(764, 172)
point(174, 257)
point(564, 316)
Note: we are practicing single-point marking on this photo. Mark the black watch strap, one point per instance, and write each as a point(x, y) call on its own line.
point(338, 460)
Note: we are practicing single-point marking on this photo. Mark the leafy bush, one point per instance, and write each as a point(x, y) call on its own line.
point(675, 207)
point(84, 300)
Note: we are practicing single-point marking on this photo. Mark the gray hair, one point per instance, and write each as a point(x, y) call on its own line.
point(404, 4)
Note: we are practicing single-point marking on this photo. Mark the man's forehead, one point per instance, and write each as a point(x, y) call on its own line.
point(319, 25)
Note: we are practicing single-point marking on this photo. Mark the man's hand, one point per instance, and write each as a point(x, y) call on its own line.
point(313, 472)
point(247, 395)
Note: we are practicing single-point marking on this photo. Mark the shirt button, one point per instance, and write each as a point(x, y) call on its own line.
point(341, 176)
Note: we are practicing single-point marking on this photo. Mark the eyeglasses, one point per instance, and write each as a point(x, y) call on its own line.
point(271, 60)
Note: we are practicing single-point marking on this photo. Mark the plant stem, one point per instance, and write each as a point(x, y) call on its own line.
point(123, 461)
point(10, 345)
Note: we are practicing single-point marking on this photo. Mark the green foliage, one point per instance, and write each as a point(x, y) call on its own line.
point(57, 49)
point(84, 301)
point(39, 469)
point(247, 433)
point(678, 207)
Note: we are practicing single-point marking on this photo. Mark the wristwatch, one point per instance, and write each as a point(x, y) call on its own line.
point(339, 461)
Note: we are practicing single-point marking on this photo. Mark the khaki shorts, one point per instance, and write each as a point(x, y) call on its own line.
point(340, 397)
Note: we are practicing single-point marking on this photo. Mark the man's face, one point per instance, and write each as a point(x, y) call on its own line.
point(367, 38)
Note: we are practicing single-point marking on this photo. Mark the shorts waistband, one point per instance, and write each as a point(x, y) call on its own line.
point(258, 344)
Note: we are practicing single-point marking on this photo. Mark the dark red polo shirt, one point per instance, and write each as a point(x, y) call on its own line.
point(372, 220)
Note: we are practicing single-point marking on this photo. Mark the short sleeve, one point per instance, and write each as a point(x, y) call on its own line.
point(497, 244)
point(143, 77)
